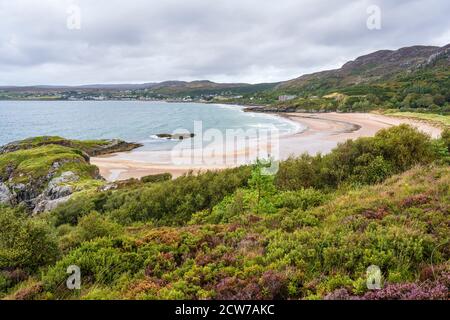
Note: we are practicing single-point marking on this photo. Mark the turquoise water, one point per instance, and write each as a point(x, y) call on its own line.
point(128, 120)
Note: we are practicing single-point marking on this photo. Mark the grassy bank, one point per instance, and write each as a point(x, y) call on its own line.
point(436, 119)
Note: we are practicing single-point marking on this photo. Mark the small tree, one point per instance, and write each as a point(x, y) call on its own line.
point(263, 184)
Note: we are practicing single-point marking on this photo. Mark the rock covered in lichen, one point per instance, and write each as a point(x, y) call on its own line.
point(5, 194)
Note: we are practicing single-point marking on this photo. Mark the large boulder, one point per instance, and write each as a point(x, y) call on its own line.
point(49, 205)
point(5, 194)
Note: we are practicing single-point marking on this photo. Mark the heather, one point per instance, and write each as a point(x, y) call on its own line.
point(310, 232)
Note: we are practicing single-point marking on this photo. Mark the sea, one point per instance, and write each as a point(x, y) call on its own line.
point(132, 121)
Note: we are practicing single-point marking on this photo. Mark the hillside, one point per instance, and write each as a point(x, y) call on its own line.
point(414, 78)
point(199, 88)
point(379, 66)
point(167, 89)
point(310, 232)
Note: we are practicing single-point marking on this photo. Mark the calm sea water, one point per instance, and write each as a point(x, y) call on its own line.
point(128, 120)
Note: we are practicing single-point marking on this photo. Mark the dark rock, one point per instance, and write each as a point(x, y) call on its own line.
point(113, 146)
point(24, 193)
point(177, 136)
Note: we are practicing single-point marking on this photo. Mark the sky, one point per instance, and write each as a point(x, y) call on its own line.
point(70, 42)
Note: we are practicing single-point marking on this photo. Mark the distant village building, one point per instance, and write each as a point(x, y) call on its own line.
point(226, 98)
point(286, 98)
point(100, 98)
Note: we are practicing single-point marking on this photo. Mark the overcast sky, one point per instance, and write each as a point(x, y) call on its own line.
point(251, 41)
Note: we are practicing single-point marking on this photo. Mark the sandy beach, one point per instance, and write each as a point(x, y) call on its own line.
point(322, 133)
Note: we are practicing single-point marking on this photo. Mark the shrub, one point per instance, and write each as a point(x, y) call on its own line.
point(77, 207)
point(301, 172)
point(303, 199)
point(174, 202)
point(102, 261)
point(410, 291)
point(371, 170)
point(157, 178)
point(25, 243)
point(365, 160)
point(428, 290)
point(404, 147)
point(446, 138)
point(95, 226)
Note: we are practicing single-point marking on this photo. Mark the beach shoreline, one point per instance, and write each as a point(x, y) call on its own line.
point(322, 133)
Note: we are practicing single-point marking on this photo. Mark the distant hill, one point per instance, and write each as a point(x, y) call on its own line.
point(171, 88)
point(375, 67)
point(411, 78)
point(177, 88)
point(90, 87)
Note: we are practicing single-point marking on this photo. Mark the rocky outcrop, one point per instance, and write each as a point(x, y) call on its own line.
point(42, 193)
point(48, 187)
point(88, 150)
point(442, 54)
point(49, 205)
point(177, 136)
point(56, 193)
point(56, 187)
point(5, 194)
point(50, 184)
point(24, 193)
point(113, 146)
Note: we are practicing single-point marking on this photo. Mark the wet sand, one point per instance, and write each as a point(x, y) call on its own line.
point(323, 133)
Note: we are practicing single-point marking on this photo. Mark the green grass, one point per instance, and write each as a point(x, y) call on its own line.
point(86, 146)
point(435, 118)
point(35, 163)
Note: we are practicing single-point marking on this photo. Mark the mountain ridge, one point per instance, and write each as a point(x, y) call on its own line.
point(375, 66)
point(372, 68)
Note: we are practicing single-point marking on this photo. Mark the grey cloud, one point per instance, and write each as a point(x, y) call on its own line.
point(223, 40)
